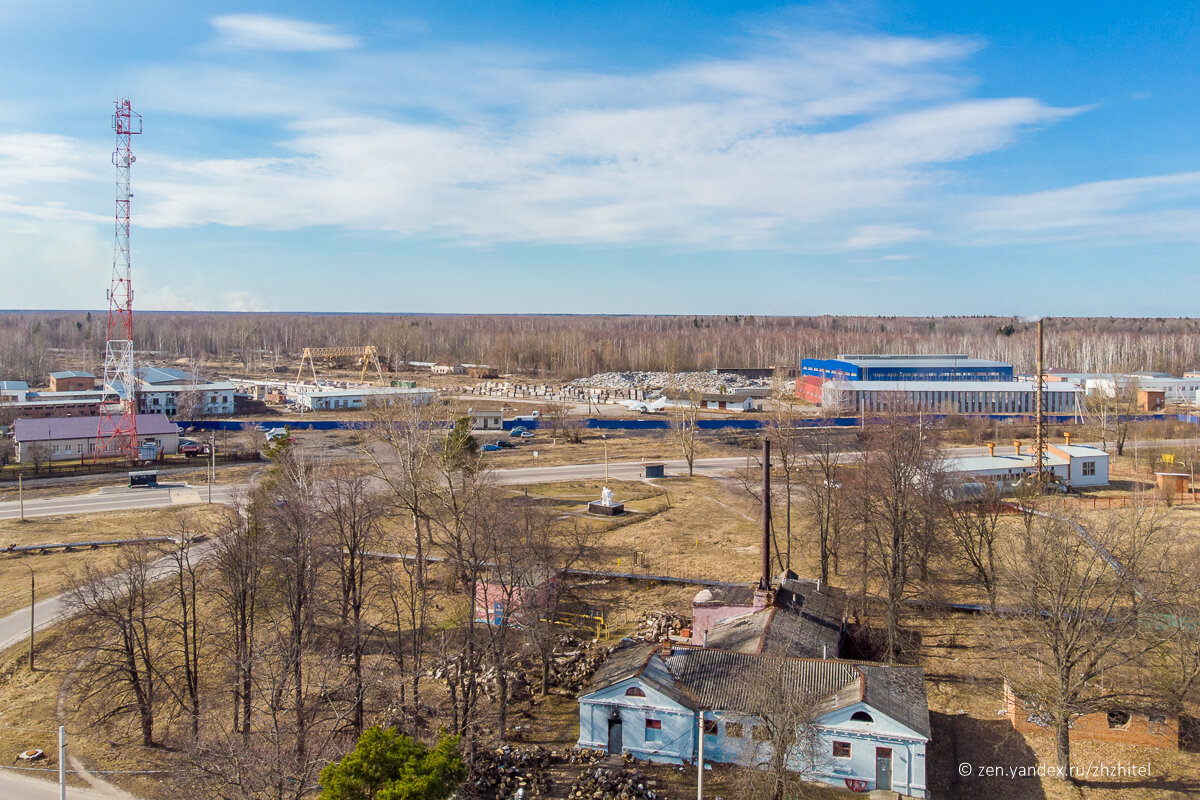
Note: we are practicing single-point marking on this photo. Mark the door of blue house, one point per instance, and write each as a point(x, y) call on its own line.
point(883, 768)
point(614, 736)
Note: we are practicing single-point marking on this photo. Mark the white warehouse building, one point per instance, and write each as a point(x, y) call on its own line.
point(345, 399)
point(950, 397)
point(1175, 390)
point(1074, 465)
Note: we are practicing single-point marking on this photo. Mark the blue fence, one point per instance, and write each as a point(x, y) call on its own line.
point(658, 424)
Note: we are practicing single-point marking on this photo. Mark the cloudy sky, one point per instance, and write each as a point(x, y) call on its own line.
point(600, 157)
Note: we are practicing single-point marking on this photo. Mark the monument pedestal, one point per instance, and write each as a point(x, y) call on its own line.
point(606, 509)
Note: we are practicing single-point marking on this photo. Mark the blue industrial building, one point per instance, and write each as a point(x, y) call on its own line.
point(906, 368)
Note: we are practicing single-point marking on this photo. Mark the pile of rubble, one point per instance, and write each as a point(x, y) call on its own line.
point(658, 625)
point(677, 381)
point(603, 783)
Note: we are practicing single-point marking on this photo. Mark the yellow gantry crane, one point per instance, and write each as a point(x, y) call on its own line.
point(366, 355)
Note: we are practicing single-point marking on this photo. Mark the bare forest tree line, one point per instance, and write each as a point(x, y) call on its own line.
point(34, 342)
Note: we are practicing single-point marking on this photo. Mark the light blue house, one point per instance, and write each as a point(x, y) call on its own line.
point(871, 720)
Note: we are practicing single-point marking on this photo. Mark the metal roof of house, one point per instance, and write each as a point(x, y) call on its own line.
point(164, 375)
point(43, 430)
point(802, 622)
point(71, 373)
point(14, 386)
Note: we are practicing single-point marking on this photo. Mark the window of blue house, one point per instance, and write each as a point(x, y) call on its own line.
point(710, 727)
point(634, 691)
point(653, 730)
point(841, 749)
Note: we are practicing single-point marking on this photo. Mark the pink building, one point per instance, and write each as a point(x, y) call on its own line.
point(507, 602)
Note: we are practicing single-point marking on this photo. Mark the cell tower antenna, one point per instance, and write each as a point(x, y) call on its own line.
point(117, 432)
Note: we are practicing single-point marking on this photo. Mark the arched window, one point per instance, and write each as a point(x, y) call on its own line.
point(634, 691)
point(861, 716)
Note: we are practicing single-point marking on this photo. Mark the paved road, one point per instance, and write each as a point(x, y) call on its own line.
point(617, 470)
point(23, 786)
point(117, 499)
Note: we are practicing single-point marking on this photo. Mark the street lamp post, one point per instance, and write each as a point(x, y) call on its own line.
point(32, 591)
point(604, 436)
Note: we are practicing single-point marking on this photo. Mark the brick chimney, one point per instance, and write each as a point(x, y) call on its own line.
point(664, 649)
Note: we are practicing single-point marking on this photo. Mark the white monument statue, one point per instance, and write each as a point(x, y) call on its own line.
point(606, 496)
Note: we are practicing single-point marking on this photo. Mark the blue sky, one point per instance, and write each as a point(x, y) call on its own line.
point(692, 158)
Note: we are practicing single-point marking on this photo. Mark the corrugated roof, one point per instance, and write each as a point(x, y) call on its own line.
point(71, 373)
point(41, 430)
point(898, 692)
point(803, 623)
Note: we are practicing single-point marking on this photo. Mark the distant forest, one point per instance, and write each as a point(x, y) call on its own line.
point(32, 343)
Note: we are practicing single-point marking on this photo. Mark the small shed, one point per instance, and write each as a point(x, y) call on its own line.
point(1152, 399)
point(1173, 482)
point(147, 478)
point(655, 470)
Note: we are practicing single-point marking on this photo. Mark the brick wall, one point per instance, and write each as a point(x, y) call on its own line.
point(1140, 730)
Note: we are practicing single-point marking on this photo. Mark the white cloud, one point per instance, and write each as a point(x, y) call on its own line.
point(736, 152)
point(1161, 206)
point(263, 32)
point(870, 236)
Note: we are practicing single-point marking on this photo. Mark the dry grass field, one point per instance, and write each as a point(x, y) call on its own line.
point(54, 569)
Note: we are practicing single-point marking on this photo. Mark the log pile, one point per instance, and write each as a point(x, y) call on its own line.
point(604, 783)
point(658, 625)
point(509, 772)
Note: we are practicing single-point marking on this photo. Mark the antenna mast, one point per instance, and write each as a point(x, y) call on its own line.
point(117, 432)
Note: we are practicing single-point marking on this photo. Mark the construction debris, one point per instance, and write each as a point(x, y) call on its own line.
point(677, 381)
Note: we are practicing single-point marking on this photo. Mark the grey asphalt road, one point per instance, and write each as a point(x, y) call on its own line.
point(23, 786)
point(117, 499)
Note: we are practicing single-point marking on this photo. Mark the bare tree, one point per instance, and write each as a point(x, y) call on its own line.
point(1080, 635)
point(352, 512)
point(238, 563)
point(1115, 410)
point(786, 461)
point(115, 630)
point(899, 482)
point(182, 616)
point(556, 416)
point(402, 446)
point(973, 522)
point(684, 427)
point(820, 468)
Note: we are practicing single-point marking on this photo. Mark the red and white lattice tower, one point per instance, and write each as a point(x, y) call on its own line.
point(117, 433)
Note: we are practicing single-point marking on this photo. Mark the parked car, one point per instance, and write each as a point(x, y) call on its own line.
point(526, 434)
point(191, 449)
point(491, 448)
point(505, 443)
point(518, 431)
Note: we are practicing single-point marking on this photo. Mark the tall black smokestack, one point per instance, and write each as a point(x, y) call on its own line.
point(765, 581)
